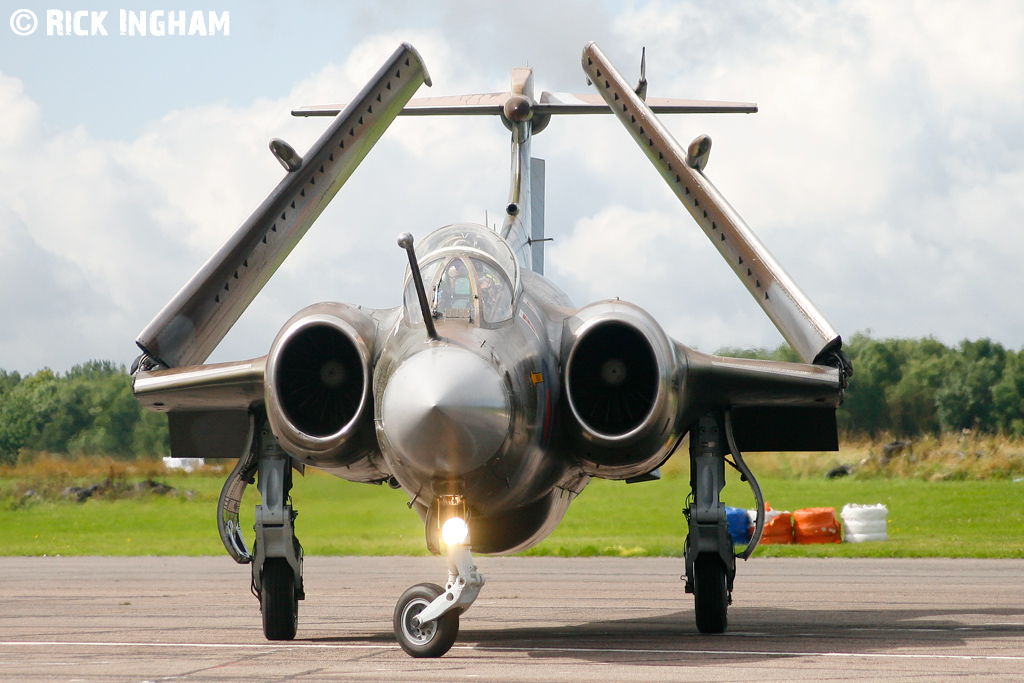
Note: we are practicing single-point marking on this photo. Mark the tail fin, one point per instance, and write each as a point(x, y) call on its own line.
point(537, 238)
point(525, 115)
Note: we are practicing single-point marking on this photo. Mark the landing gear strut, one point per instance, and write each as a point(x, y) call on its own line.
point(277, 557)
point(277, 564)
point(710, 557)
point(426, 618)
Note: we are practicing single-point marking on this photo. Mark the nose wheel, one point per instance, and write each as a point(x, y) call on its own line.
point(431, 638)
point(426, 617)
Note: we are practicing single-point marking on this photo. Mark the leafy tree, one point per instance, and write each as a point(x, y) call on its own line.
point(26, 411)
point(150, 436)
point(910, 387)
point(965, 399)
point(911, 401)
point(1008, 395)
point(8, 380)
point(89, 410)
point(877, 367)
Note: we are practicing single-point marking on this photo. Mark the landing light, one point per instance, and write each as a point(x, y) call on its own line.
point(454, 531)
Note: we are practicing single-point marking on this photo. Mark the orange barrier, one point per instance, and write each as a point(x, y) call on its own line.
point(816, 525)
point(778, 527)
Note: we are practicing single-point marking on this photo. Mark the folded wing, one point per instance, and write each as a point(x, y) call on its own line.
point(187, 330)
point(795, 316)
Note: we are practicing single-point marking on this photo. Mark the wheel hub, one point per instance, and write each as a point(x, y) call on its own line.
point(422, 633)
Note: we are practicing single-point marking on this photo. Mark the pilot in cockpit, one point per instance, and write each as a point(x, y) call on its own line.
point(490, 290)
point(456, 290)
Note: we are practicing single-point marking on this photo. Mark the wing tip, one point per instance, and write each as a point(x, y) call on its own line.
point(408, 47)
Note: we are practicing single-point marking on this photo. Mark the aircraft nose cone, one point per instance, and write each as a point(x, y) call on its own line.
point(446, 410)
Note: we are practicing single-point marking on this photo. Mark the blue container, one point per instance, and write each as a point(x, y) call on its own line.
point(739, 525)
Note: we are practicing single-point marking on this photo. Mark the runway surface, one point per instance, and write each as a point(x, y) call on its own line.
point(537, 619)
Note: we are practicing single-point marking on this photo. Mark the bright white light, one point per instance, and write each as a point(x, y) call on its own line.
point(454, 531)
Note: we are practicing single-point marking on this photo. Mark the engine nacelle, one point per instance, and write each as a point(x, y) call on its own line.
point(318, 388)
point(622, 383)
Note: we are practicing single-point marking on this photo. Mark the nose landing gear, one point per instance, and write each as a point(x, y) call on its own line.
point(424, 638)
point(426, 618)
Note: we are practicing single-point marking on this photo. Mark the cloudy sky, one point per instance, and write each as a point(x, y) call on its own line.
point(885, 169)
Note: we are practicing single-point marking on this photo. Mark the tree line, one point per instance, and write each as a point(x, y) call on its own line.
point(89, 410)
point(901, 387)
point(912, 387)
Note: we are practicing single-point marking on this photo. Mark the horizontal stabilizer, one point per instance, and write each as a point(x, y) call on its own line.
point(187, 330)
point(568, 103)
point(492, 104)
point(488, 104)
point(795, 316)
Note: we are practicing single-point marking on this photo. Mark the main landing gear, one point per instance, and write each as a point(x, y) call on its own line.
point(277, 566)
point(710, 557)
point(426, 618)
point(277, 560)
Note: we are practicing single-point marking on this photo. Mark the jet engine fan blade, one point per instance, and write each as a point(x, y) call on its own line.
point(795, 316)
point(191, 325)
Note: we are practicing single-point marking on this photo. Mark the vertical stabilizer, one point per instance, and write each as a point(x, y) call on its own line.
point(537, 214)
point(517, 114)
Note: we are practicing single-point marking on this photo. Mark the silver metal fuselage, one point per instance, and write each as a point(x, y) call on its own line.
point(472, 414)
point(504, 411)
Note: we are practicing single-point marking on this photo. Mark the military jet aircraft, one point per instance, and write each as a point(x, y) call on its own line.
point(487, 396)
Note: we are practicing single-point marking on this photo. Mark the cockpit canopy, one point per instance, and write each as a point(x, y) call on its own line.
point(469, 274)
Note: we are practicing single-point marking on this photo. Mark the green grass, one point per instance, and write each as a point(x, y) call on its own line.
point(927, 519)
point(335, 518)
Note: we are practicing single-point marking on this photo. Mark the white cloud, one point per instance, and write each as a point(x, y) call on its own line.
point(135, 219)
point(885, 171)
point(621, 250)
point(49, 306)
point(662, 262)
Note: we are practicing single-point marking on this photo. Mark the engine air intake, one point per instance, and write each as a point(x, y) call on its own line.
point(320, 380)
point(613, 378)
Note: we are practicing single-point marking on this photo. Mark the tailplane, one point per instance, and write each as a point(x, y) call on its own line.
point(525, 113)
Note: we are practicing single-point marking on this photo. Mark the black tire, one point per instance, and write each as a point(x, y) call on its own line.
point(711, 594)
point(278, 602)
point(435, 637)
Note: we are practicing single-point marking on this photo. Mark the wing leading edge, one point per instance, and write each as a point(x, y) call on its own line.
point(187, 330)
point(792, 312)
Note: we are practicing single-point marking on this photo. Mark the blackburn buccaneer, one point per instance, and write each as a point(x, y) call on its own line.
point(487, 396)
